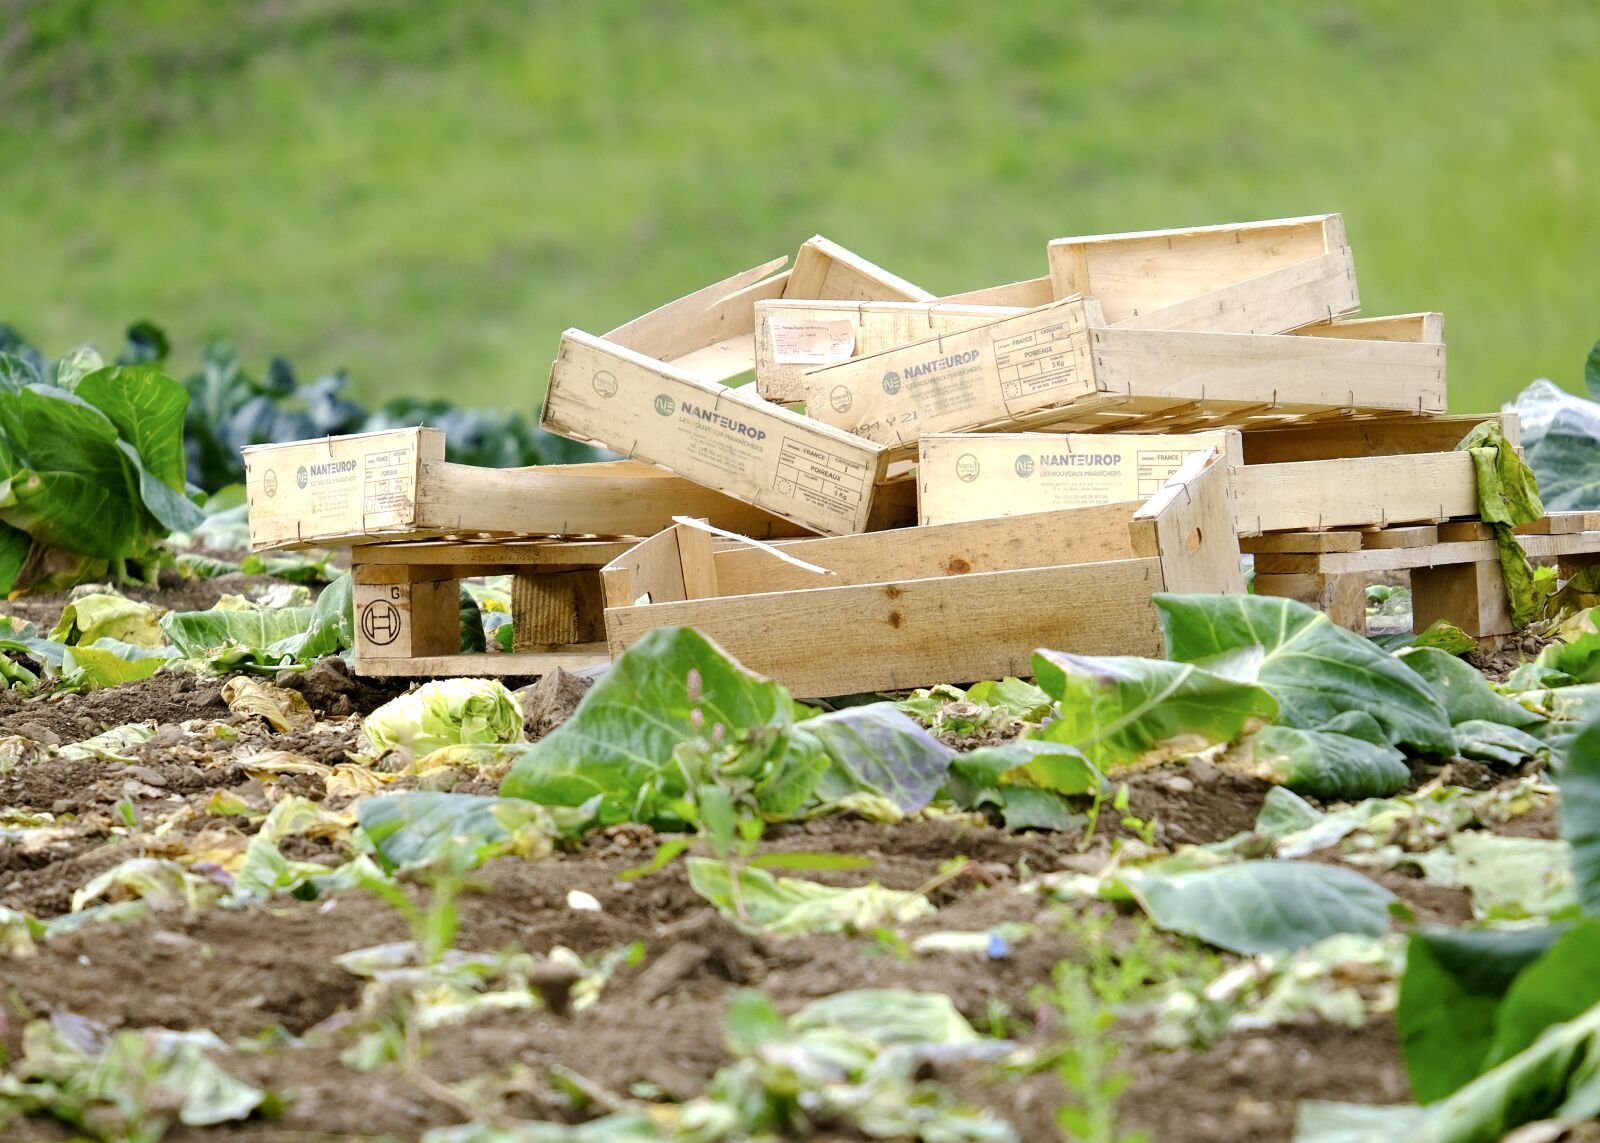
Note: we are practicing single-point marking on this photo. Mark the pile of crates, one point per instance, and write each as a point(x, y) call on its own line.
point(915, 489)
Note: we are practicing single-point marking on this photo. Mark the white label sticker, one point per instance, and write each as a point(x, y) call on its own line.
point(811, 342)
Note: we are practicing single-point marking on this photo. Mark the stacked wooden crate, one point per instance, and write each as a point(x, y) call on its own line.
point(974, 476)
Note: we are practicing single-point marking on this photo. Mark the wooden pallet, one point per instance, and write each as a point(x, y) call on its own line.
point(948, 603)
point(1454, 568)
point(407, 611)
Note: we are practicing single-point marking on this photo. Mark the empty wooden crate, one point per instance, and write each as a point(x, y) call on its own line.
point(919, 606)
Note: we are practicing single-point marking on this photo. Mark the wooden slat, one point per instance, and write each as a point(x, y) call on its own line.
point(561, 500)
point(695, 320)
point(1416, 536)
point(1275, 302)
point(1289, 564)
point(1381, 437)
point(1331, 541)
point(696, 563)
point(873, 327)
point(1437, 555)
point(487, 664)
point(913, 633)
point(1193, 528)
point(1024, 295)
point(509, 553)
point(1451, 531)
point(824, 269)
point(652, 567)
point(1355, 491)
point(1396, 327)
point(1044, 539)
point(1558, 524)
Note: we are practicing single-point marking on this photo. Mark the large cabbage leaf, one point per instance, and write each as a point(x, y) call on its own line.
point(672, 686)
point(1123, 709)
point(96, 469)
point(1262, 906)
point(1316, 670)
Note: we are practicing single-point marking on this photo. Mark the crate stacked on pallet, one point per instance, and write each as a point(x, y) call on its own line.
point(971, 476)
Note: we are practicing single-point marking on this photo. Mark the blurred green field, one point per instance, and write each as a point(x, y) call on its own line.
point(427, 194)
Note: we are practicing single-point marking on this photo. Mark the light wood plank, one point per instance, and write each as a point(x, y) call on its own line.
point(1557, 524)
point(1381, 437)
point(487, 664)
point(1354, 491)
point(652, 567)
point(913, 633)
point(1460, 530)
point(1024, 295)
point(824, 269)
point(1275, 302)
point(699, 319)
point(1331, 541)
point(560, 500)
point(511, 553)
point(1416, 536)
point(1045, 539)
point(1397, 327)
point(696, 561)
point(1451, 552)
point(1194, 530)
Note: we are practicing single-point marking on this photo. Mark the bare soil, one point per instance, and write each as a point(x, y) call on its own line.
point(268, 971)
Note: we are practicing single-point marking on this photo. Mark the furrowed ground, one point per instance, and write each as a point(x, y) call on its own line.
point(541, 973)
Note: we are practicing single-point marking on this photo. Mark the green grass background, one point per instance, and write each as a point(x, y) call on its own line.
point(427, 192)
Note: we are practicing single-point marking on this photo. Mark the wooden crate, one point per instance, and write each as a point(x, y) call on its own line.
point(1359, 474)
point(1282, 273)
point(710, 333)
point(652, 390)
point(970, 476)
point(1300, 270)
point(396, 484)
point(793, 336)
point(1297, 288)
point(787, 464)
point(1059, 365)
point(950, 603)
